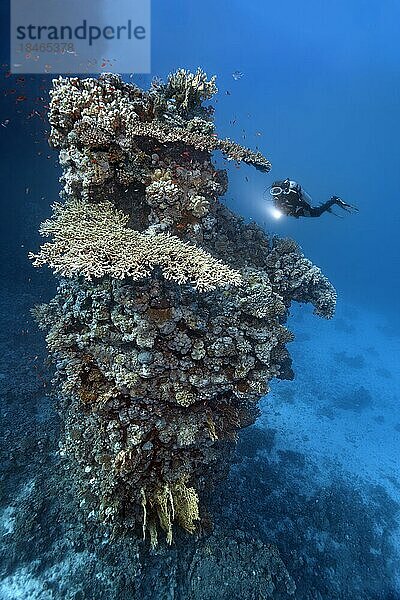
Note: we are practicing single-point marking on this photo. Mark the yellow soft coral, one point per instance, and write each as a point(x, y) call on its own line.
point(186, 502)
point(171, 502)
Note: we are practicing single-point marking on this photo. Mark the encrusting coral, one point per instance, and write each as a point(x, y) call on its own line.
point(169, 319)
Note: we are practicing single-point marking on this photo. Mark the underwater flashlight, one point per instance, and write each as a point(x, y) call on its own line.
point(276, 213)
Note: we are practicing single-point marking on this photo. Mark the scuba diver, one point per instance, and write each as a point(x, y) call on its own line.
point(291, 200)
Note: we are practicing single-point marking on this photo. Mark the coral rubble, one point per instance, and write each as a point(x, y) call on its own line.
point(169, 319)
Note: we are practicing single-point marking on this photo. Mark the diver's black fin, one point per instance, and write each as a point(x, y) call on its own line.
point(344, 205)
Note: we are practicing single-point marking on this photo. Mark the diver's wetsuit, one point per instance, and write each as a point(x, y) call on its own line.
point(290, 199)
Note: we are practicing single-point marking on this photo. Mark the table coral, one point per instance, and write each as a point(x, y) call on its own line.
point(93, 240)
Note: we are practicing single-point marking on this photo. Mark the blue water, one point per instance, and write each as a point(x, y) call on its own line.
point(320, 97)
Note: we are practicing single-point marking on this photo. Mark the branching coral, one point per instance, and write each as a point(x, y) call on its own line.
point(189, 89)
point(179, 101)
point(156, 379)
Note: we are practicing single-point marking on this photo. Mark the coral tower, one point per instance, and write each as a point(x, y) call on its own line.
point(169, 317)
